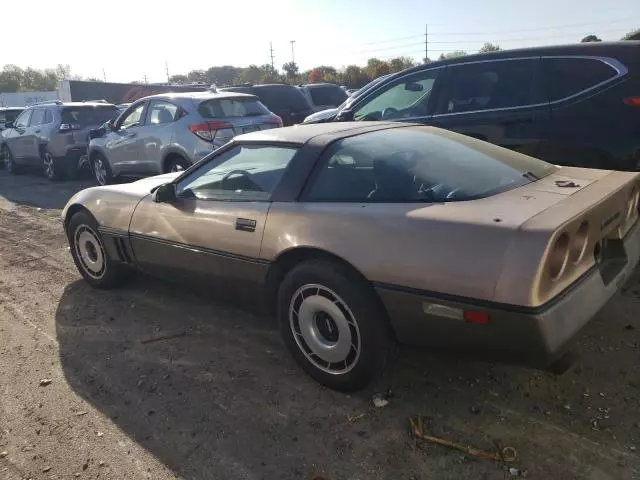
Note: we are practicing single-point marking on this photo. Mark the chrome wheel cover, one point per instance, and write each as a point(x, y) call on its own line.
point(8, 159)
point(100, 170)
point(49, 166)
point(324, 329)
point(90, 252)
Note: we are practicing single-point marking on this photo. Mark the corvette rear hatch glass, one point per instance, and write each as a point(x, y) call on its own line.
point(418, 164)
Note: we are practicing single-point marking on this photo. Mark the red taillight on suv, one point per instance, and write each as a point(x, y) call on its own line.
point(633, 101)
point(276, 121)
point(210, 131)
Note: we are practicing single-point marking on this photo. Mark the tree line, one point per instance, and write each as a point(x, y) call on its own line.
point(16, 79)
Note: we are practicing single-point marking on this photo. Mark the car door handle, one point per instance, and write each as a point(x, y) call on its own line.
point(246, 225)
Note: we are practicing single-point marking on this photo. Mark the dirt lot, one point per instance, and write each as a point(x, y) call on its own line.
point(224, 400)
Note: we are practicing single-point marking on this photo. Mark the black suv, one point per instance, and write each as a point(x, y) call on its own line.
point(569, 105)
point(286, 101)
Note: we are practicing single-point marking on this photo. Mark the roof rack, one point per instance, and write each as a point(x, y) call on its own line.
point(57, 102)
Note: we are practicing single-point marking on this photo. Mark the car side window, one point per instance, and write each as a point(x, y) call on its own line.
point(37, 117)
point(160, 112)
point(132, 119)
point(243, 173)
point(490, 85)
point(568, 76)
point(23, 120)
point(406, 97)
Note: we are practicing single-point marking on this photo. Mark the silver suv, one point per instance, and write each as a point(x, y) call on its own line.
point(52, 136)
point(169, 132)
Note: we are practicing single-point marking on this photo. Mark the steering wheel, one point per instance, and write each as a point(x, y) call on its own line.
point(244, 173)
point(387, 111)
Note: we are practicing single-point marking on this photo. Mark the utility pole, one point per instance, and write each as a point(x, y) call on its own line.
point(145, 78)
point(166, 68)
point(271, 50)
point(426, 43)
point(293, 58)
point(104, 75)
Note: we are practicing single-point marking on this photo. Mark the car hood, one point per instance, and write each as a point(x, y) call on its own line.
point(321, 116)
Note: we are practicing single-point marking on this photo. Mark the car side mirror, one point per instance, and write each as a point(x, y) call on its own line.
point(345, 116)
point(413, 87)
point(8, 125)
point(165, 193)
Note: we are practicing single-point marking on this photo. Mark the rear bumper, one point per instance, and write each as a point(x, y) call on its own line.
point(529, 336)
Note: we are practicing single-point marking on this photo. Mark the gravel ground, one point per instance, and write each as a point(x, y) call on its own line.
point(221, 398)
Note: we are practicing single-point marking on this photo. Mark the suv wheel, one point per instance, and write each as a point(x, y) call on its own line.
point(101, 170)
point(52, 168)
point(9, 162)
point(333, 325)
point(177, 164)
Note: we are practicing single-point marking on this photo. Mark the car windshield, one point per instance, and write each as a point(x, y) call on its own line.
point(360, 91)
point(278, 97)
point(331, 95)
point(9, 115)
point(89, 115)
point(232, 107)
point(416, 164)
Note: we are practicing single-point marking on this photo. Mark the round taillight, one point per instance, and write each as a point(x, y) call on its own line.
point(558, 256)
point(579, 243)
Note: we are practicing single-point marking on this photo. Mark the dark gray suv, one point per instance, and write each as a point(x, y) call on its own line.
point(53, 136)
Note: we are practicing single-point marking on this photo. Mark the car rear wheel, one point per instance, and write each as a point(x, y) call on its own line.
point(9, 162)
point(90, 255)
point(101, 170)
point(177, 164)
point(333, 324)
point(51, 166)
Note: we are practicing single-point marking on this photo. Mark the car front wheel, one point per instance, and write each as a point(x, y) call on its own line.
point(51, 167)
point(90, 255)
point(177, 164)
point(9, 162)
point(333, 324)
point(101, 170)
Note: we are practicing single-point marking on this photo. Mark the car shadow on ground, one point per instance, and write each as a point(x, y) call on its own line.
point(211, 391)
point(35, 190)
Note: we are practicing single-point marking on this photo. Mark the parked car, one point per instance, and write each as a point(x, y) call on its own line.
point(323, 95)
point(9, 115)
point(169, 132)
point(572, 105)
point(330, 113)
point(286, 101)
point(360, 234)
point(53, 136)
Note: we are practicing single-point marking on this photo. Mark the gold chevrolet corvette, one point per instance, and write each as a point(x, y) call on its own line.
point(359, 235)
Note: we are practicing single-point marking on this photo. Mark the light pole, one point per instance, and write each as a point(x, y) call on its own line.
point(293, 58)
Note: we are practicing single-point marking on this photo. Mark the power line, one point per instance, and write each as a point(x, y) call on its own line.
point(534, 29)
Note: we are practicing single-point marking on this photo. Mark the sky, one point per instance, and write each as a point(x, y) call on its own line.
point(129, 40)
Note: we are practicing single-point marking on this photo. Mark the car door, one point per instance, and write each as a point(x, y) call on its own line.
point(212, 231)
point(409, 97)
point(499, 101)
point(156, 133)
point(30, 137)
point(124, 145)
point(14, 137)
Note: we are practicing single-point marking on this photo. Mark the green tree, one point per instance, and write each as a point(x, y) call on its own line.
point(590, 38)
point(323, 73)
point(489, 47)
point(222, 76)
point(269, 74)
point(197, 76)
point(354, 77)
point(632, 35)
point(10, 78)
point(251, 74)
point(376, 68)
point(291, 70)
point(179, 79)
point(400, 63)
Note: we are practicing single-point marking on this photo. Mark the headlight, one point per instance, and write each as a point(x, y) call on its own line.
point(558, 256)
point(579, 242)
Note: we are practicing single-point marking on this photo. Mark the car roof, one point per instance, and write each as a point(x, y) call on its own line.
point(5, 109)
point(201, 95)
point(304, 132)
point(325, 84)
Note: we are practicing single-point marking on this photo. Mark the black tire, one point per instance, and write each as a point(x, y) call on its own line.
point(86, 245)
point(303, 290)
point(51, 166)
point(177, 164)
point(101, 170)
point(9, 162)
